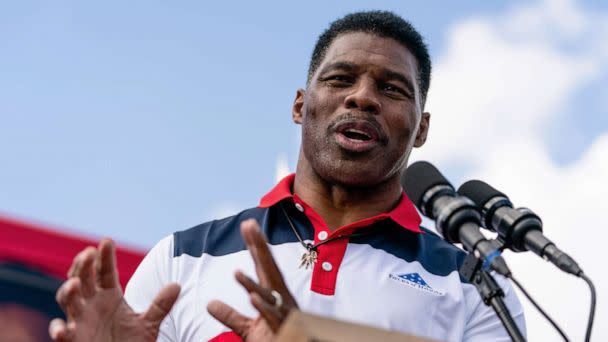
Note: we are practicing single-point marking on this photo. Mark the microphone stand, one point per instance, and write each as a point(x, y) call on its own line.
point(491, 294)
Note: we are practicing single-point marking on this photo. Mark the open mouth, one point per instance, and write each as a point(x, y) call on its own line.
point(356, 134)
point(359, 130)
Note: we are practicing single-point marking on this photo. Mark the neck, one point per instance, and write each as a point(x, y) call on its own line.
point(340, 204)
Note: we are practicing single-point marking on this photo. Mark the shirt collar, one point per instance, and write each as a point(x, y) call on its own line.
point(404, 214)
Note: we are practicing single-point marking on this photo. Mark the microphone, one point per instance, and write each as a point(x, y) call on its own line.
point(520, 229)
point(456, 217)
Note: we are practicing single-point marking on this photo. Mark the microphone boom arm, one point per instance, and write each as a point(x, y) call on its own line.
point(490, 292)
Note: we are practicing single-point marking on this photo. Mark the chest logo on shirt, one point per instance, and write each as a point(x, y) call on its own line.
point(415, 280)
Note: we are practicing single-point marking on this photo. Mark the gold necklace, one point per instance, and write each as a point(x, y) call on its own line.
point(309, 258)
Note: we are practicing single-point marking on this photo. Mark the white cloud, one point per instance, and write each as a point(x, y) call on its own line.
point(499, 82)
point(571, 201)
point(545, 20)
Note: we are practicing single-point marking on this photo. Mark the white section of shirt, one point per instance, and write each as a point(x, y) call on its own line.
point(368, 291)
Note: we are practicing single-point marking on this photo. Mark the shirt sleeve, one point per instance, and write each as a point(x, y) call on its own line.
point(152, 274)
point(484, 325)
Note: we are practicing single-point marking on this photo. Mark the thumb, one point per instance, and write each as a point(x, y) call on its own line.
point(162, 303)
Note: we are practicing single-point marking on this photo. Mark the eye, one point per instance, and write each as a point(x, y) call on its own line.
point(393, 89)
point(338, 80)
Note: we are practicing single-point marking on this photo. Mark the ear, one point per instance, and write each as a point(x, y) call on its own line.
point(423, 129)
point(298, 105)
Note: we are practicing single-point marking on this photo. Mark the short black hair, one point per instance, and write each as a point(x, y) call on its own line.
point(384, 24)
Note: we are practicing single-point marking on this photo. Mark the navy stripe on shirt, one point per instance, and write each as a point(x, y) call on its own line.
point(221, 237)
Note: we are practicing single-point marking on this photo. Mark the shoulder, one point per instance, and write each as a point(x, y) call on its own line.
point(439, 255)
point(435, 244)
point(427, 248)
point(217, 237)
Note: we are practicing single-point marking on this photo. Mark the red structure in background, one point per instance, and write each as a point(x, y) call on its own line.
point(52, 252)
point(33, 263)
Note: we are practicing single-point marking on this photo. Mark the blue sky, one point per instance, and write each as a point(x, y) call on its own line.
point(133, 120)
point(121, 119)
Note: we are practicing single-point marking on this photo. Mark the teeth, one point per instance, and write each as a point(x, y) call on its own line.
point(358, 132)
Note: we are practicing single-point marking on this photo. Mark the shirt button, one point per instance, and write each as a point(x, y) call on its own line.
point(299, 207)
point(322, 235)
point(326, 266)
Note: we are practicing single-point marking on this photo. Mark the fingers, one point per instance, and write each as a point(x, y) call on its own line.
point(77, 262)
point(105, 265)
point(58, 331)
point(162, 304)
point(87, 273)
point(69, 298)
point(265, 266)
point(228, 316)
point(96, 266)
point(253, 287)
point(264, 302)
point(82, 267)
point(269, 312)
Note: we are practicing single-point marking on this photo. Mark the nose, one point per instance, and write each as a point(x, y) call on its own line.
point(364, 98)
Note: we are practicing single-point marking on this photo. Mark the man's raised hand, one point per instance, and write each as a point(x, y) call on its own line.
point(93, 302)
point(263, 295)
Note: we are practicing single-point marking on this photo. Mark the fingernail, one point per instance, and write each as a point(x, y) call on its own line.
point(252, 223)
point(247, 228)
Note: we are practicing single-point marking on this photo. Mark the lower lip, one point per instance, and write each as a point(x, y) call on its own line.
point(355, 145)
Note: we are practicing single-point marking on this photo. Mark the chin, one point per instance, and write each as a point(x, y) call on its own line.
point(358, 176)
point(358, 170)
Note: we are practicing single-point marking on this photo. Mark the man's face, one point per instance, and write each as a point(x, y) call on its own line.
point(361, 112)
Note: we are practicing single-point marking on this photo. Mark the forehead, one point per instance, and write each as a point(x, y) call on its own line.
point(367, 49)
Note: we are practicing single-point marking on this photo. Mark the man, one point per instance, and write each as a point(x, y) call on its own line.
point(343, 218)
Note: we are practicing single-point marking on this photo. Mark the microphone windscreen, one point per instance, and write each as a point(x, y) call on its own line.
point(420, 177)
point(479, 192)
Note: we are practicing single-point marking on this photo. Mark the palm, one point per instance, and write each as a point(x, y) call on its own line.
point(259, 330)
point(129, 326)
point(95, 307)
point(94, 321)
point(107, 317)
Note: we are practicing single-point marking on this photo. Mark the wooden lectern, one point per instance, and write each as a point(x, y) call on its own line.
point(303, 327)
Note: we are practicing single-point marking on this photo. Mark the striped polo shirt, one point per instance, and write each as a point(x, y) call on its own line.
point(393, 274)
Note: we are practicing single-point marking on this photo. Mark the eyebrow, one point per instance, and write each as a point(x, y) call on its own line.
point(393, 75)
point(386, 74)
point(346, 66)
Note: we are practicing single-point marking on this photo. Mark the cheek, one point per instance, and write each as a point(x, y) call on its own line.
point(403, 125)
point(324, 103)
point(311, 124)
point(404, 129)
point(318, 112)
point(412, 121)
